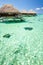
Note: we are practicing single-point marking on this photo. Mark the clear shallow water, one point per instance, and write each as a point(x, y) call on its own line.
point(24, 47)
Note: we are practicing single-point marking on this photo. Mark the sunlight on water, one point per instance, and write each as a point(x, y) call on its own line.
point(19, 46)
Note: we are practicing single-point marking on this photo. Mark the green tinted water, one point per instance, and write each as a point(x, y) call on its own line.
point(23, 47)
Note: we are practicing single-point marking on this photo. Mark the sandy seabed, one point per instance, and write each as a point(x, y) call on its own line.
point(24, 46)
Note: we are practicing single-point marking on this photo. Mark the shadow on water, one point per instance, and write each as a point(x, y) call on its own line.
point(28, 28)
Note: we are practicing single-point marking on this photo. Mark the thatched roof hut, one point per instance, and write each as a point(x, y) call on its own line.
point(23, 11)
point(31, 12)
point(8, 10)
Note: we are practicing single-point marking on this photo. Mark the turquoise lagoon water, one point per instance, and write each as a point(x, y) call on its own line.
point(23, 47)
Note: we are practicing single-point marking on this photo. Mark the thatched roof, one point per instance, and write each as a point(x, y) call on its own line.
point(31, 11)
point(8, 9)
point(23, 11)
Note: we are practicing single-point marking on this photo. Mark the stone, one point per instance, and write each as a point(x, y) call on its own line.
point(6, 35)
point(28, 28)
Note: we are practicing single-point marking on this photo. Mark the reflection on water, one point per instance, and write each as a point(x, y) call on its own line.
point(11, 20)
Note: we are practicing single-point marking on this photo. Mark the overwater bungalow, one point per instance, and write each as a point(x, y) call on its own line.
point(32, 12)
point(24, 12)
point(8, 10)
point(29, 13)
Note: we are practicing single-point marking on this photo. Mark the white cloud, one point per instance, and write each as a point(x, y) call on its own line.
point(41, 7)
point(37, 8)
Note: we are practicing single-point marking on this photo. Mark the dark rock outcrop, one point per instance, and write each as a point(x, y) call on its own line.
point(28, 28)
point(6, 36)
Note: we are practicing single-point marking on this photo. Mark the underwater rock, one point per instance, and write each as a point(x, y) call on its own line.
point(30, 22)
point(6, 35)
point(28, 28)
point(17, 51)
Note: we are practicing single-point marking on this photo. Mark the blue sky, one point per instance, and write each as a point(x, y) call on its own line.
point(25, 4)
